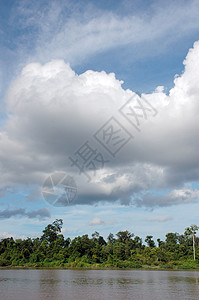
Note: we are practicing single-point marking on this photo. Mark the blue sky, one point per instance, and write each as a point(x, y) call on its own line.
point(66, 68)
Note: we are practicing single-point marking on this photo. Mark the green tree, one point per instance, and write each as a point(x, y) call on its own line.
point(137, 242)
point(52, 249)
point(111, 239)
point(161, 244)
point(149, 241)
point(50, 233)
point(191, 231)
point(124, 236)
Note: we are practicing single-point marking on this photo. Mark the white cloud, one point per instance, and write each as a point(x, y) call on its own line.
point(98, 221)
point(161, 218)
point(64, 230)
point(5, 235)
point(180, 196)
point(53, 111)
point(76, 32)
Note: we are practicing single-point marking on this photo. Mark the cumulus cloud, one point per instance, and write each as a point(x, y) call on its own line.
point(52, 112)
point(174, 197)
point(41, 213)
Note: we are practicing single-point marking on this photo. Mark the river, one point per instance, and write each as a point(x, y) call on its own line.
point(98, 284)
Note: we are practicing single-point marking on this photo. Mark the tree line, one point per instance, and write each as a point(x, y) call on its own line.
point(124, 250)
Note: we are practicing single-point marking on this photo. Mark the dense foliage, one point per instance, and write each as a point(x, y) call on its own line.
point(124, 250)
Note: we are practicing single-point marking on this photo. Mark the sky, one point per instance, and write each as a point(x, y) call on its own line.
point(103, 93)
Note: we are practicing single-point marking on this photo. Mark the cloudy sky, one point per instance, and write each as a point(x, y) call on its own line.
point(105, 92)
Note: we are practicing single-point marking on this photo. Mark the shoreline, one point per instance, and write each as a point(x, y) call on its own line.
point(146, 268)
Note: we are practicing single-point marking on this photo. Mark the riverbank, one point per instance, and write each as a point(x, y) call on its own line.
point(98, 267)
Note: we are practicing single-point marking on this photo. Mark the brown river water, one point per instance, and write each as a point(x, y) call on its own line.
point(98, 284)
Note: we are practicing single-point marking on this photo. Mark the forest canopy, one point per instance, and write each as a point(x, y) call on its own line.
point(124, 250)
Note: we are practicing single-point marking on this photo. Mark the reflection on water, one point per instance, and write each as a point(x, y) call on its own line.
point(98, 284)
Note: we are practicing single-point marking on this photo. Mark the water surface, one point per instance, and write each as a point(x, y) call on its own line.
point(98, 284)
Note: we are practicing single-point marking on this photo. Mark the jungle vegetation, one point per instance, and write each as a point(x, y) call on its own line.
point(124, 250)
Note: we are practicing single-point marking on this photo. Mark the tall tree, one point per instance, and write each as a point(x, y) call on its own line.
point(124, 236)
point(191, 231)
point(111, 239)
point(149, 241)
point(50, 233)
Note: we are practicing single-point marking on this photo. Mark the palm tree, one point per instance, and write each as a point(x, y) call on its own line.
point(191, 231)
